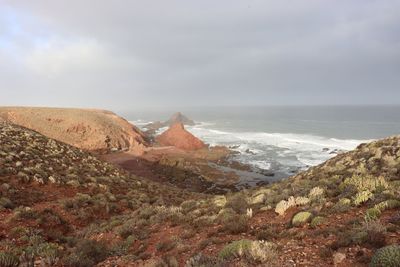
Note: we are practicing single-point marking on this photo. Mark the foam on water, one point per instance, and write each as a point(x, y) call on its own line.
point(286, 152)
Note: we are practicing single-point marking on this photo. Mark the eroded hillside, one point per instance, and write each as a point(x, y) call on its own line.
point(88, 129)
point(62, 206)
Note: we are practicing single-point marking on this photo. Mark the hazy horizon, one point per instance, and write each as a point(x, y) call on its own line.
point(124, 55)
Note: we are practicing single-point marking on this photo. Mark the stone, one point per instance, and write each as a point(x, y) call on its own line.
point(52, 179)
point(338, 257)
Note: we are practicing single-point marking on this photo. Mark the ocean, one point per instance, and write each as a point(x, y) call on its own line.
point(283, 140)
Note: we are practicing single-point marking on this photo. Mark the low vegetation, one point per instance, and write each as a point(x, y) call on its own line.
point(62, 206)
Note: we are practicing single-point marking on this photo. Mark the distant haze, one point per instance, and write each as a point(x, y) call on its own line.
point(132, 54)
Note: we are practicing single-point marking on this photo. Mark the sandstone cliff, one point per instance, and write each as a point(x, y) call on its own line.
point(88, 129)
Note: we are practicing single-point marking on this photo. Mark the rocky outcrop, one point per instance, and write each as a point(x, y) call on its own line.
point(88, 129)
point(178, 137)
point(175, 118)
point(179, 118)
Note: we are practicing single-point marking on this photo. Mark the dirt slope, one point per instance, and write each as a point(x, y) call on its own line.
point(88, 129)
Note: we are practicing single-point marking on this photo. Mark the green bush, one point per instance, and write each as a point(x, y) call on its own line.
point(301, 218)
point(235, 249)
point(317, 221)
point(388, 256)
point(362, 197)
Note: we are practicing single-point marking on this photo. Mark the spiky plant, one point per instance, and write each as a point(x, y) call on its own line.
point(8, 259)
point(388, 256)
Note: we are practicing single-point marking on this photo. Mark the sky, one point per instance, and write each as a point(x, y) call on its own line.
point(144, 54)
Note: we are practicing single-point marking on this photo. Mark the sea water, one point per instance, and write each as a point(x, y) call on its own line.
point(284, 139)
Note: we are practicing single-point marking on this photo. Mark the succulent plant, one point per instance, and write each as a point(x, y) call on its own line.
point(316, 221)
point(388, 204)
point(284, 205)
point(235, 249)
point(301, 218)
point(362, 197)
point(8, 259)
point(372, 214)
point(315, 193)
point(253, 251)
point(364, 183)
point(388, 256)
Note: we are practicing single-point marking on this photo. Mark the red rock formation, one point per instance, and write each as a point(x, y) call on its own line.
point(177, 136)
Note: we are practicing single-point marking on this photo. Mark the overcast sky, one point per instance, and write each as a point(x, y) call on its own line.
point(129, 54)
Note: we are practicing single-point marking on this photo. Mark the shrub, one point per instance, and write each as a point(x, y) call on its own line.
point(262, 252)
point(267, 233)
point(301, 218)
point(253, 251)
point(25, 213)
point(284, 205)
point(375, 233)
point(200, 260)
point(342, 205)
point(236, 225)
point(87, 253)
point(188, 206)
point(388, 256)
point(5, 203)
point(316, 193)
point(166, 246)
point(8, 260)
point(362, 197)
point(49, 253)
point(316, 221)
point(235, 249)
point(238, 203)
point(388, 204)
point(365, 183)
point(372, 214)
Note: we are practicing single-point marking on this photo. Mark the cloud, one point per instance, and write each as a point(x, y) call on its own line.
point(54, 57)
point(202, 52)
